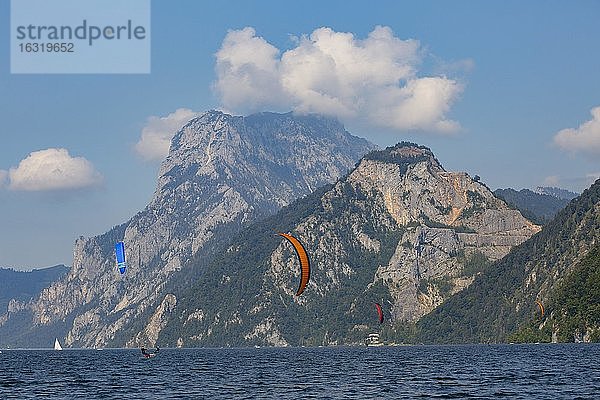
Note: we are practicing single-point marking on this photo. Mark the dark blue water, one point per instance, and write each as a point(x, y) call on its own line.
point(441, 372)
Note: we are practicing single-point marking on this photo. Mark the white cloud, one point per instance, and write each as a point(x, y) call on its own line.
point(247, 69)
point(52, 169)
point(158, 132)
point(374, 80)
point(584, 139)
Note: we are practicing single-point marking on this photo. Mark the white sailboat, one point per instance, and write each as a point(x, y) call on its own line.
point(57, 345)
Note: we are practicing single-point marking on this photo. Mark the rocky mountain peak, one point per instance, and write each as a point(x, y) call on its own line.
point(405, 153)
point(447, 218)
point(222, 172)
point(284, 155)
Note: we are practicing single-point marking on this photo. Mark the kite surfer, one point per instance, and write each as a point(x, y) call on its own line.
point(147, 354)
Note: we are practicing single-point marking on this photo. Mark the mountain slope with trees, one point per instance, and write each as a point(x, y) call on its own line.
point(558, 267)
point(398, 230)
point(538, 207)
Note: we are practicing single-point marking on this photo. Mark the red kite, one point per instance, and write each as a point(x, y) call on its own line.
point(379, 312)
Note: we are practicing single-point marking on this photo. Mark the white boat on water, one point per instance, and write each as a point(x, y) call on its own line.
point(373, 340)
point(57, 345)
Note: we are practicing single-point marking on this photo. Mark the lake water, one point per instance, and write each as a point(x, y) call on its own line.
point(441, 372)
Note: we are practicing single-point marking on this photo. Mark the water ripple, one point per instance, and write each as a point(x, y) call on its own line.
point(425, 372)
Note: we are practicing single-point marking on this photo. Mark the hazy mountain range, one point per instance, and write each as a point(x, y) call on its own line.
point(556, 192)
point(23, 285)
point(535, 205)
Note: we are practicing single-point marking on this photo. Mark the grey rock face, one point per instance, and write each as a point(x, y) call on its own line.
point(449, 216)
point(222, 172)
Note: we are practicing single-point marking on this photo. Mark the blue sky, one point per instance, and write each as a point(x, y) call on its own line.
point(516, 74)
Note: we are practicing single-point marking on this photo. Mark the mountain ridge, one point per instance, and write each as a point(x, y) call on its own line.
point(559, 193)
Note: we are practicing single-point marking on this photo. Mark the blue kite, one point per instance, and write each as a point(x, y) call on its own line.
point(120, 252)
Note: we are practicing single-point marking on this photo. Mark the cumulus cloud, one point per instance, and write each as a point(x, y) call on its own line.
point(52, 169)
point(158, 132)
point(374, 80)
point(585, 139)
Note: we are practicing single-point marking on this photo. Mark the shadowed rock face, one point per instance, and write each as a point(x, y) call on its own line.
point(222, 173)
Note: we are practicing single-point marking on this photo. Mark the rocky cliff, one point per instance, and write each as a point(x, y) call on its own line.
point(557, 267)
point(398, 229)
point(222, 173)
point(449, 218)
